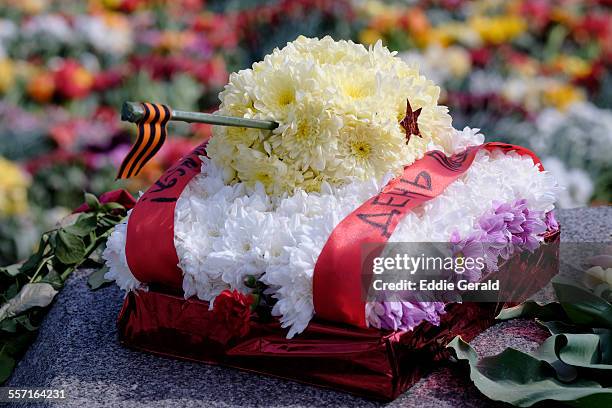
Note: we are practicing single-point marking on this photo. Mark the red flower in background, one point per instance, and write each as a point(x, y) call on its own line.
point(106, 114)
point(220, 30)
point(480, 56)
point(597, 25)
point(592, 81)
point(212, 73)
point(72, 80)
point(202, 132)
point(163, 66)
point(44, 161)
point(126, 6)
point(64, 134)
point(108, 79)
point(174, 149)
point(129, 6)
point(232, 314)
point(538, 12)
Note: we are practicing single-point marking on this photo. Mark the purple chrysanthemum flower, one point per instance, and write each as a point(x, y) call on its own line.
point(508, 226)
point(513, 215)
point(551, 221)
point(527, 227)
point(403, 315)
point(470, 247)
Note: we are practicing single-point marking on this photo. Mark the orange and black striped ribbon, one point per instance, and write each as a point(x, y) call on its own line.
point(151, 137)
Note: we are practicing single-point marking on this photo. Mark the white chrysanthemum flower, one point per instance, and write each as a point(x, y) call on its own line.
point(115, 260)
point(311, 87)
point(577, 185)
point(109, 35)
point(51, 26)
point(465, 138)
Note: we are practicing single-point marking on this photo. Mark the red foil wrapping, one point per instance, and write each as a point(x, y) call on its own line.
point(367, 362)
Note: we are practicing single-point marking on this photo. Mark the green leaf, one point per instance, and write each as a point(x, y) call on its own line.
point(25, 321)
point(8, 325)
point(69, 248)
point(582, 306)
point(31, 295)
point(11, 270)
point(11, 291)
point(581, 355)
point(548, 352)
point(7, 365)
point(576, 305)
point(54, 278)
point(605, 342)
point(579, 350)
point(558, 327)
point(96, 280)
point(112, 206)
point(13, 347)
point(85, 224)
point(92, 201)
point(531, 309)
point(604, 291)
point(523, 380)
point(32, 262)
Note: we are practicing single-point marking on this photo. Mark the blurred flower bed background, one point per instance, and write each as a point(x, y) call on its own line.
point(534, 73)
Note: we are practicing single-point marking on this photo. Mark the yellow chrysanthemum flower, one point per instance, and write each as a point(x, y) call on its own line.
point(7, 74)
point(498, 29)
point(365, 148)
point(254, 166)
point(30, 6)
point(370, 36)
point(562, 95)
point(305, 135)
point(572, 66)
point(13, 189)
point(338, 105)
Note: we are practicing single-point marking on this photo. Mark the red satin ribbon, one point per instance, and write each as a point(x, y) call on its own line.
point(150, 250)
point(337, 296)
point(337, 282)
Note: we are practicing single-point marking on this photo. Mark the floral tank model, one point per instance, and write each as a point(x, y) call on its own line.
point(257, 221)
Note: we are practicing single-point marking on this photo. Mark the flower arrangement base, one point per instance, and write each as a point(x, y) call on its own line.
point(367, 362)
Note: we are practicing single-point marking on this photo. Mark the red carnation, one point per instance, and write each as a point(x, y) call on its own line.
point(231, 315)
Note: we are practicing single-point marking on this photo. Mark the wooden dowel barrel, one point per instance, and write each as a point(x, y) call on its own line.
point(133, 112)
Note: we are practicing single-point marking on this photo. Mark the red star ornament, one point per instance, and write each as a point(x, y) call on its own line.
point(409, 123)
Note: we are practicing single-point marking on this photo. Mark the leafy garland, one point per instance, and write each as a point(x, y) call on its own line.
point(27, 289)
point(573, 366)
